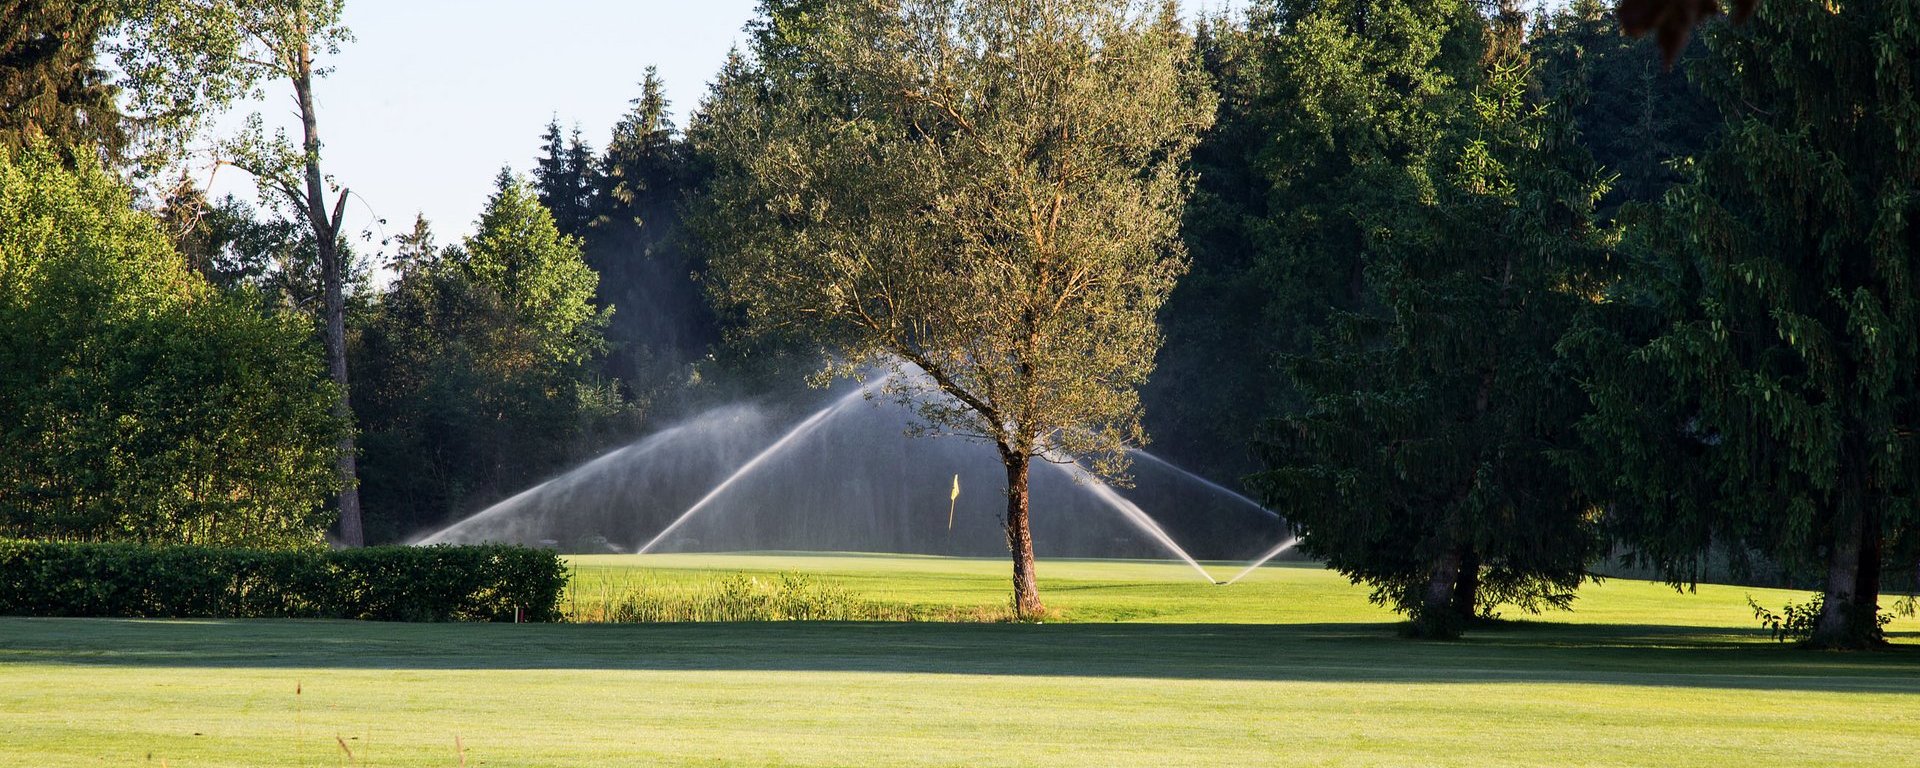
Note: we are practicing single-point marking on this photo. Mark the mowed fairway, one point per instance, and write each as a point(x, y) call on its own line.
point(1151, 667)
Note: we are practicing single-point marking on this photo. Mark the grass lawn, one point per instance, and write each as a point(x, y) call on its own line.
point(1151, 667)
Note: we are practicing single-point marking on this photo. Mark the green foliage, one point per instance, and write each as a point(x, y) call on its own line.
point(136, 402)
point(184, 61)
point(952, 186)
point(1013, 241)
point(1222, 340)
point(473, 368)
point(566, 178)
point(1638, 117)
point(1424, 462)
point(787, 596)
point(51, 88)
point(662, 325)
point(1798, 622)
point(1754, 387)
point(538, 272)
point(484, 583)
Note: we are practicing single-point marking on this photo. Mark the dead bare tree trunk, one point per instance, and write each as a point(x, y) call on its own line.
point(326, 235)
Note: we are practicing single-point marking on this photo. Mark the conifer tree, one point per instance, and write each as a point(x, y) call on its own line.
point(664, 322)
point(1639, 116)
point(563, 177)
point(50, 86)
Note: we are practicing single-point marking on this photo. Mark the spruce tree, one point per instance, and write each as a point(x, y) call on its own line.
point(563, 178)
point(664, 323)
point(50, 87)
point(1638, 116)
point(1217, 364)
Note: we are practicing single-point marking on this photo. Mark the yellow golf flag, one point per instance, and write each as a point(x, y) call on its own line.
point(953, 500)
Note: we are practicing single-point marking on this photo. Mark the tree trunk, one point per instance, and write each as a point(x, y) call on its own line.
point(1866, 583)
point(1837, 627)
point(1026, 591)
point(1436, 617)
point(1466, 590)
point(326, 234)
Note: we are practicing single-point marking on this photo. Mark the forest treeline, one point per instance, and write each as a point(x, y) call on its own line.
point(1475, 295)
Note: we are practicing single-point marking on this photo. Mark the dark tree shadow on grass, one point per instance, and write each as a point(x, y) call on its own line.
point(1516, 652)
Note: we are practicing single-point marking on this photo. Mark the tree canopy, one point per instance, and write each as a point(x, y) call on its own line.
point(135, 401)
point(950, 185)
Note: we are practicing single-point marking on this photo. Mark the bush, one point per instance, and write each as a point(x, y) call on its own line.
point(441, 583)
point(1800, 619)
point(136, 401)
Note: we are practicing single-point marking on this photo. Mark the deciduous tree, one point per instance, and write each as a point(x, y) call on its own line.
point(988, 191)
point(137, 402)
point(187, 58)
point(1773, 408)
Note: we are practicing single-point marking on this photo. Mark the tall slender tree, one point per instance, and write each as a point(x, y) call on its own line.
point(1223, 340)
point(664, 324)
point(564, 177)
point(1638, 116)
point(199, 53)
point(951, 185)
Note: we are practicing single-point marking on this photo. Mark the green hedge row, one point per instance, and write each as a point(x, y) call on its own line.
point(441, 583)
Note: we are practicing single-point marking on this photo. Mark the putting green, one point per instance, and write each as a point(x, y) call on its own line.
point(1152, 666)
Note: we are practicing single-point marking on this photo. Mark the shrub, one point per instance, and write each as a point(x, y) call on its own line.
point(441, 583)
point(1797, 621)
point(136, 401)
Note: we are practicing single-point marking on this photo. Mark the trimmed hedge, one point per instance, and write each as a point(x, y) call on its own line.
point(439, 583)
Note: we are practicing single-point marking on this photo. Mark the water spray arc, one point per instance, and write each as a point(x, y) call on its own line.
point(1290, 543)
point(1137, 516)
point(648, 445)
point(736, 477)
point(812, 422)
point(1221, 489)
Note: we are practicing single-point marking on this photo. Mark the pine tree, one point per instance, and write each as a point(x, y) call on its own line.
point(1220, 353)
point(1773, 410)
point(1639, 116)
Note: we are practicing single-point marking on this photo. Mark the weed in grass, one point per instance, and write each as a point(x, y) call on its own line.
point(785, 596)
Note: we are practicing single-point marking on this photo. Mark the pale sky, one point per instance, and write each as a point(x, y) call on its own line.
point(433, 96)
